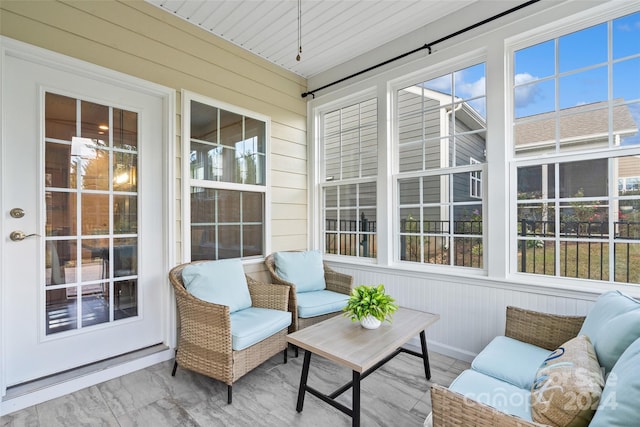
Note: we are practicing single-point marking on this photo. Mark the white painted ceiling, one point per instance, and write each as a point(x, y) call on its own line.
point(333, 31)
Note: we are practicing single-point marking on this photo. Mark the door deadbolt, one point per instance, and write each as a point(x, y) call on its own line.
point(18, 235)
point(16, 213)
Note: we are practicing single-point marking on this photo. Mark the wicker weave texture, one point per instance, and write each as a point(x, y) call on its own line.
point(544, 330)
point(541, 329)
point(204, 343)
point(336, 282)
point(453, 409)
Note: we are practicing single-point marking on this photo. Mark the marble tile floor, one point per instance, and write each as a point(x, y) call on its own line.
point(396, 395)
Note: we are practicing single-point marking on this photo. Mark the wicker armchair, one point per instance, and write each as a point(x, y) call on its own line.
point(336, 282)
point(205, 342)
point(543, 330)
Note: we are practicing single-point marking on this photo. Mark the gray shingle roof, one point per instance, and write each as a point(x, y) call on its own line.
point(587, 123)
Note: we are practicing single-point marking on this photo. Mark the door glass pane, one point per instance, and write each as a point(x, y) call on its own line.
point(90, 197)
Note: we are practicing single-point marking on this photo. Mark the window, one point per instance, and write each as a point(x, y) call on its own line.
point(91, 201)
point(475, 181)
point(576, 145)
point(350, 169)
point(227, 188)
point(441, 154)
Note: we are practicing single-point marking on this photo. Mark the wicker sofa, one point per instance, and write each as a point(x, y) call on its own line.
point(502, 388)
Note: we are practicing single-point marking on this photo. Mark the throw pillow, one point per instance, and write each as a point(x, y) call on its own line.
point(220, 282)
point(568, 385)
point(303, 269)
point(612, 325)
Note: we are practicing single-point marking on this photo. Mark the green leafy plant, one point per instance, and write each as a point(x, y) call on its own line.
point(370, 300)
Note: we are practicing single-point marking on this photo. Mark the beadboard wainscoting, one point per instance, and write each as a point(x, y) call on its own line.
point(472, 309)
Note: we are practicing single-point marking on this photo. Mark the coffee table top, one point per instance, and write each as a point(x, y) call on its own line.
point(349, 344)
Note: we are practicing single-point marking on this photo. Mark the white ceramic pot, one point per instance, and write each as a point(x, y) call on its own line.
point(370, 322)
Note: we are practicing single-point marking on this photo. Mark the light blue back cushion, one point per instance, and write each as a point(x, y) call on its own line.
point(221, 282)
point(303, 269)
point(612, 324)
point(621, 395)
point(510, 360)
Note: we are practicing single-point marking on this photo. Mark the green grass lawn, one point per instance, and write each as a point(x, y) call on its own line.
point(584, 260)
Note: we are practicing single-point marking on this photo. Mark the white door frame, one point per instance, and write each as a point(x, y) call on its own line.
point(11, 47)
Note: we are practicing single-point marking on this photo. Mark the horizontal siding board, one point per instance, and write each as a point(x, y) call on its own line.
point(284, 211)
point(286, 132)
point(289, 243)
point(289, 180)
point(290, 149)
point(288, 164)
point(289, 196)
point(289, 227)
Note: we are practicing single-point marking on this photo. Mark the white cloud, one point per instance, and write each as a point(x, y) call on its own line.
point(526, 94)
point(472, 89)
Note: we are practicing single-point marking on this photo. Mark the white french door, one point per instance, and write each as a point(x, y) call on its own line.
point(83, 253)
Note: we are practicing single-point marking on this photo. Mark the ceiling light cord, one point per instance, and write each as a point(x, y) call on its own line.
point(299, 30)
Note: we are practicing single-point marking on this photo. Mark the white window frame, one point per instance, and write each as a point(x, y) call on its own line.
point(188, 182)
point(539, 35)
point(475, 181)
point(318, 176)
point(445, 67)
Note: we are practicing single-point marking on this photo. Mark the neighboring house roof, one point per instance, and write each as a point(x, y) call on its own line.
point(587, 123)
point(466, 113)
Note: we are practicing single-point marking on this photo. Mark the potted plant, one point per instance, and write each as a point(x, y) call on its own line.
point(370, 305)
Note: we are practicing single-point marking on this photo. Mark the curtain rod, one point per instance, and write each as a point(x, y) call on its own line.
point(425, 46)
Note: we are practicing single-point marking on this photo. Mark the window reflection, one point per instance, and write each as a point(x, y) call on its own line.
point(90, 159)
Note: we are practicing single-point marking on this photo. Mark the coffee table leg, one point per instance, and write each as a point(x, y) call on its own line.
point(425, 355)
point(303, 380)
point(355, 417)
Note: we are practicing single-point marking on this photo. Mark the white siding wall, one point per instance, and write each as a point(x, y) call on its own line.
point(139, 39)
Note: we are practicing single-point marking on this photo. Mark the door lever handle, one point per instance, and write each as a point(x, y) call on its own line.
point(18, 235)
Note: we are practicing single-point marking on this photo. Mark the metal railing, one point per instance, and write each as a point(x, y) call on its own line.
point(351, 237)
point(583, 249)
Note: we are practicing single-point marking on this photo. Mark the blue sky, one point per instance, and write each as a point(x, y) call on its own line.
point(582, 75)
point(582, 71)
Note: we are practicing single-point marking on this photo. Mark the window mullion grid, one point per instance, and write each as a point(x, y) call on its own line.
point(79, 179)
point(452, 240)
point(556, 185)
point(111, 284)
point(423, 124)
point(612, 232)
point(421, 234)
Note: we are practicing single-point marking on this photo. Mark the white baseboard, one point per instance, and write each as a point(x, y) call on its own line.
point(11, 403)
point(437, 347)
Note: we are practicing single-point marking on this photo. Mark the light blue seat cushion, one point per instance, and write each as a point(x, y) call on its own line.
point(254, 324)
point(317, 303)
point(303, 269)
point(498, 394)
point(621, 395)
point(510, 360)
point(612, 324)
point(220, 282)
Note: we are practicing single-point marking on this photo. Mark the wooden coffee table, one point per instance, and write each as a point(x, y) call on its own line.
point(362, 350)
